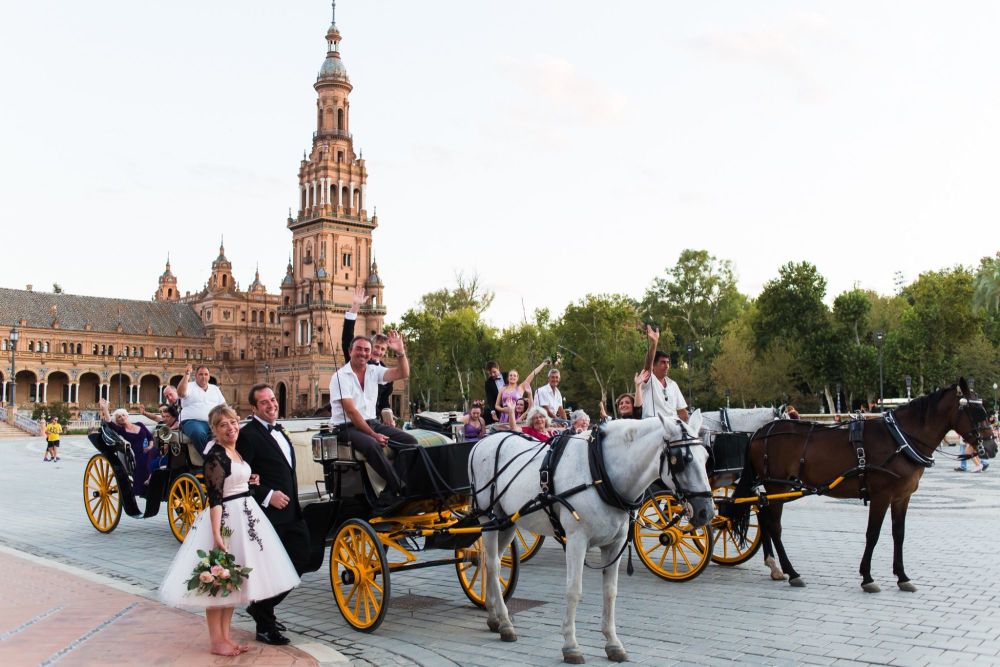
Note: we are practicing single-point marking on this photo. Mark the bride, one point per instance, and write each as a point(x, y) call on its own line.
point(236, 524)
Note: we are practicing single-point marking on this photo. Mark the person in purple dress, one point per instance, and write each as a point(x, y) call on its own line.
point(138, 437)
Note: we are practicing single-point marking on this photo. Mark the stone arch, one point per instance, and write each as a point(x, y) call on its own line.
point(26, 382)
point(57, 387)
point(345, 197)
point(282, 399)
point(176, 380)
point(119, 386)
point(88, 392)
point(149, 389)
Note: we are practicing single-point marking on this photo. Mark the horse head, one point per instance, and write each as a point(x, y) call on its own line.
point(975, 427)
point(683, 466)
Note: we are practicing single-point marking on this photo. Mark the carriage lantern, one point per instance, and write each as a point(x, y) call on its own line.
point(994, 397)
point(909, 384)
point(879, 339)
point(14, 336)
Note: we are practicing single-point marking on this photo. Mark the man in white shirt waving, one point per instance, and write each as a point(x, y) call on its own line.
point(548, 397)
point(660, 394)
point(353, 398)
point(196, 402)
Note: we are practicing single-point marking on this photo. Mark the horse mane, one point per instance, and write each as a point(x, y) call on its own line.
point(922, 407)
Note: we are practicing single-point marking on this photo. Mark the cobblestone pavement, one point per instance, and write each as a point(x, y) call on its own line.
point(726, 615)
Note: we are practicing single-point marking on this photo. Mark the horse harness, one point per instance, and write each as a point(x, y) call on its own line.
point(548, 497)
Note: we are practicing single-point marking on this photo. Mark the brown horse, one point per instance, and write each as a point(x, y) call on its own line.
point(882, 462)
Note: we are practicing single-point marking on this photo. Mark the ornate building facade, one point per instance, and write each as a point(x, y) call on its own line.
point(77, 349)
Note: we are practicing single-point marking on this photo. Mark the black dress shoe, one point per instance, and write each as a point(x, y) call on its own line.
point(273, 637)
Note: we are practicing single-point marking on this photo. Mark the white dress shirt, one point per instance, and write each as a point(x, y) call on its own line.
point(661, 398)
point(198, 402)
point(344, 384)
point(283, 444)
point(550, 398)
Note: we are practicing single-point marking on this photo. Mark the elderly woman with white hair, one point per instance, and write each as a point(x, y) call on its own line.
point(139, 437)
point(536, 423)
point(579, 421)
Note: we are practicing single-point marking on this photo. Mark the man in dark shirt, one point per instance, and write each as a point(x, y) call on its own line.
point(379, 346)
point(494, 381)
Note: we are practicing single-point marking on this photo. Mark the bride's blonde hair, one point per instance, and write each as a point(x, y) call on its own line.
point(220, 412)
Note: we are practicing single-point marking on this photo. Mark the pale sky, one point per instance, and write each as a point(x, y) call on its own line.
point(556, 148)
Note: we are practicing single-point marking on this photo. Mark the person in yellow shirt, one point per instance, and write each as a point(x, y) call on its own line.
point(52, 432)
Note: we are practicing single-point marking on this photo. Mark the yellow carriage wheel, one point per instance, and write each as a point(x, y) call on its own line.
point(528, 544)
point(359, 575)
point(101, 496)
point(185, 501)
point(677, 552)
point(726, 549)
point(471, 569)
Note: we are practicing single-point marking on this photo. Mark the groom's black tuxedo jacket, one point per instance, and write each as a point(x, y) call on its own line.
point(259, 449)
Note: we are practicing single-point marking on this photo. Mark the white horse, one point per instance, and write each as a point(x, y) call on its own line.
point(740, 420)
point(636, 453)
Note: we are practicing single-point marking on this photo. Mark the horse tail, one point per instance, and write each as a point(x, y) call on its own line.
point(738, 514)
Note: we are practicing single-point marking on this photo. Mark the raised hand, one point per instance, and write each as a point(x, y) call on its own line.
point(396, 342)
point(652, 333)
point(358, 299)
point(641, 377)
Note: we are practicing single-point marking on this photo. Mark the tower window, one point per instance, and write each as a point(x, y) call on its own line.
point(346, 260)
point(340, 156)
point(340, 119)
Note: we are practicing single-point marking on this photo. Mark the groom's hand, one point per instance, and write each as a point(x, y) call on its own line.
point(279, 500)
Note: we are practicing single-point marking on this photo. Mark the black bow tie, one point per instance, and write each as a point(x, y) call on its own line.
point(275, 427)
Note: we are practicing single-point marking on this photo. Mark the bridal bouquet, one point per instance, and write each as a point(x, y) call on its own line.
point(217, 573)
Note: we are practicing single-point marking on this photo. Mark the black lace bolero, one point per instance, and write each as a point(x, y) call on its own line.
point(218, 467)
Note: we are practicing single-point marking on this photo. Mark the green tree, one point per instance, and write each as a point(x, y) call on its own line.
point(754, 378)
point(693, 303)
point(986, 288)
point(602, 348)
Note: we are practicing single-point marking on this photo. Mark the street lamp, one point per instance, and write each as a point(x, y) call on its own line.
point(14, 336)
point(879, 339)
point(838, 398)
point(267, 373)
point(729, 392)
point(909, 384)
point(120, 358)
point(994, 397)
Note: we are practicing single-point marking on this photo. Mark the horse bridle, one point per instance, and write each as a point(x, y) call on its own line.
point(678, 455)
point(976, 426)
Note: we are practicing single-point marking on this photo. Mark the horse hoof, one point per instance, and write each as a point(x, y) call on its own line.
point(776, 572)
point(907, 586)
point(797, 582)
point(573, 657)
point(778, 576)
point(871, 587)
point(508, 635)
point(493, 625)
point(616, 654)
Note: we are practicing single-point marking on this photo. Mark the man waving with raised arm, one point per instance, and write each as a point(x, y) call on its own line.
point(660, 393)
point(353, 397)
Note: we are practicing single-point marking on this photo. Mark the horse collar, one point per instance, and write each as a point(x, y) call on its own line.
point(903, 445)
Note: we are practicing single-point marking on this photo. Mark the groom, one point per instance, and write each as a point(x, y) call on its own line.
point(264, 445)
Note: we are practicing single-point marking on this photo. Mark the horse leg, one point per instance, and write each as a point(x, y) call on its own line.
point(613, 648)
point(898, 509)
point(770, 519)
point(769, 561)
point(576, 552)
point(876, 514)
point(498, 618)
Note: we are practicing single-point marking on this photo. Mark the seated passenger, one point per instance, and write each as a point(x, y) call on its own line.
point(475, 425)
point(196, 400)
point(579, 421)
point(139, 439)
point(629, 405)
point(353, 396)
point(536, 424)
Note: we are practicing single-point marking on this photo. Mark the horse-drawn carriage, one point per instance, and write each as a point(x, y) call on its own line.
point(108, 481)
point(369, 545)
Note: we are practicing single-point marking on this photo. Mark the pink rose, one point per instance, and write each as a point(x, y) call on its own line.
point(225, 574)
point(206, 577)
point(217, 570)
